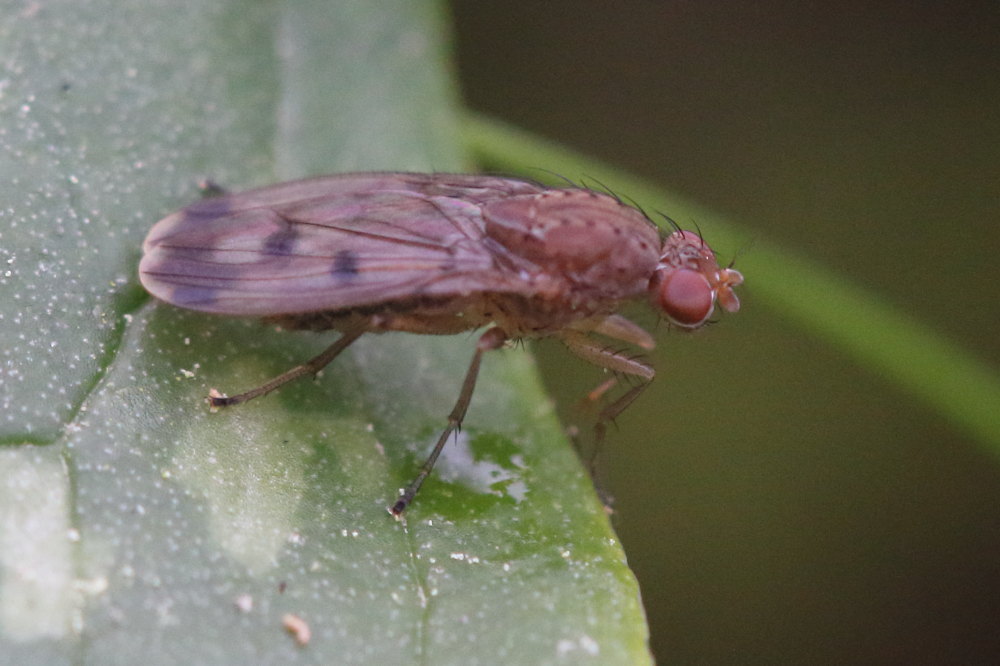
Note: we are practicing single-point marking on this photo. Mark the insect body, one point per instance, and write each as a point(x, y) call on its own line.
point(436, 254)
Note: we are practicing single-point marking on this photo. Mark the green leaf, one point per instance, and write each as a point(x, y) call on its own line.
point(135, 526)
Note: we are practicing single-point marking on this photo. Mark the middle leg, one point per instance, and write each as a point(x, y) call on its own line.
point(491, 339)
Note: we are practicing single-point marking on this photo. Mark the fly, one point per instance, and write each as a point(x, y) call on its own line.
point(436, 254)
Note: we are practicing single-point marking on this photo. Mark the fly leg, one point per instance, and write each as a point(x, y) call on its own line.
point(611, 412)
point(586, 405)
point(601, 356)
point(310, 367)
point(491, 339)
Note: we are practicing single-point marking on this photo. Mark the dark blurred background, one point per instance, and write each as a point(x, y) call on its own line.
point(778, 503)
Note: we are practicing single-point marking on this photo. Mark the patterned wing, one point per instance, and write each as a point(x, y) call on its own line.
point(329, 243)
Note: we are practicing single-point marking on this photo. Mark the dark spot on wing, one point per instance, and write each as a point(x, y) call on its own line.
point(281, 242)
point(345, 265)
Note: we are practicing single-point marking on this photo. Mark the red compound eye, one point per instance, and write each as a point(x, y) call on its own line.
point(686, 297)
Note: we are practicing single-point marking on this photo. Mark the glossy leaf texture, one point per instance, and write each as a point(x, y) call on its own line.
point(135, 526)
